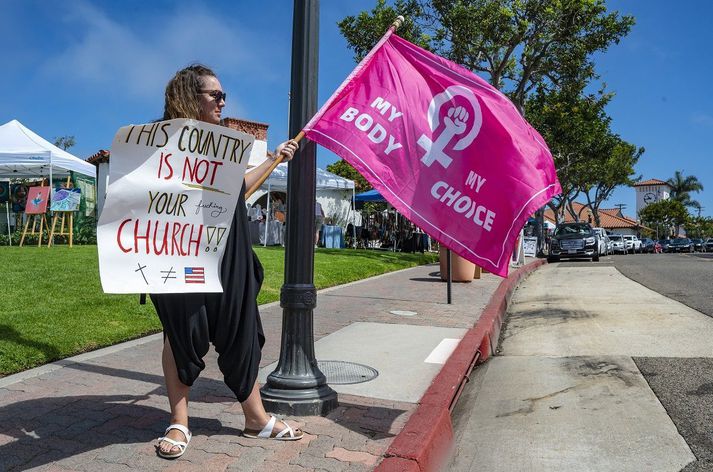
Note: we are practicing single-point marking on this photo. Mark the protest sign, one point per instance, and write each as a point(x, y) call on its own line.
point(173, 188)
point(445, 148)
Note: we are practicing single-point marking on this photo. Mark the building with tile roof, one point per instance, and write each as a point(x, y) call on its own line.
point(611, 219)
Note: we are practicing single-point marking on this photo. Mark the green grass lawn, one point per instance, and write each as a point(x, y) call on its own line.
point(52, 305)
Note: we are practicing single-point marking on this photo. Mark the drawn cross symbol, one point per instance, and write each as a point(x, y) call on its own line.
point(168, 274)
point(141, 269)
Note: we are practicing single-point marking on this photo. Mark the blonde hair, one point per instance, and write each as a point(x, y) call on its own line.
point(181, 98)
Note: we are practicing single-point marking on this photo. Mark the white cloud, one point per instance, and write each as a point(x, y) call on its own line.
point(703, 119)
point(137, 61)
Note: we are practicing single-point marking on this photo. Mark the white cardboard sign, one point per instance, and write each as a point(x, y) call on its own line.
point(173, 188)
point(530, 244)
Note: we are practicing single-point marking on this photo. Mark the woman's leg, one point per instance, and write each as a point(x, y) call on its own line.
point(177, 397)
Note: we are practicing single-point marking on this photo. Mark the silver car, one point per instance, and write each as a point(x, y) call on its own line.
point(618, 244)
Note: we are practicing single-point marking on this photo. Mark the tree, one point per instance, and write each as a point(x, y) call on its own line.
point(699, 227)
point(518, 44)
point(343, 169)
point(663, 215)
point(682, 186)
point(613, 168)
point(575, 126)
point(363, 31)
point(64, 142)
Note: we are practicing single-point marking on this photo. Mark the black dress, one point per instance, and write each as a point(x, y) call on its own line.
point(230, 320)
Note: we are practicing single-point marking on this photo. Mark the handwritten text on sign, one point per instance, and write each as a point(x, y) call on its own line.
point(173, 187)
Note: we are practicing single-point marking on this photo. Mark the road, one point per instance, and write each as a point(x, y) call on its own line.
point(599, 369)
point(683, 385)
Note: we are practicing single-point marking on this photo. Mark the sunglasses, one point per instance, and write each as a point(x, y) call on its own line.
point(216, 95)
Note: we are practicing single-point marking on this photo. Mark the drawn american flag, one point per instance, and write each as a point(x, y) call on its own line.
point(194, 275)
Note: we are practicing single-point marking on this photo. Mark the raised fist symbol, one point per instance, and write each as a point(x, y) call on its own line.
point(459, 126)
point(456, 120)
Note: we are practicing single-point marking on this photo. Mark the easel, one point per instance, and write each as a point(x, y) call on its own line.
point(63, 215)
point(69, 232)
point(35, 218)
point(32, 232)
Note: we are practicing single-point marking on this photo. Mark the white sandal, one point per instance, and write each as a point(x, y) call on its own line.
point(287, 434)
point(181, 445)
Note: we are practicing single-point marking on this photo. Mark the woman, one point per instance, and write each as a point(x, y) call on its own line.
point(230, 320)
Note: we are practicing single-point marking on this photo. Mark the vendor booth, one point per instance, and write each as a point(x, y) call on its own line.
point(387, 229)
point(26, 155)
point(334, 193)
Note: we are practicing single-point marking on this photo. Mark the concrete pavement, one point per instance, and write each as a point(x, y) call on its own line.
point(564, 393)
point(102, 411)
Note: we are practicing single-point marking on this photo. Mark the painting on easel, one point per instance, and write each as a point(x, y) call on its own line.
point(66, 199)
point(18, 197)
point(37, 198)
point(4, 192)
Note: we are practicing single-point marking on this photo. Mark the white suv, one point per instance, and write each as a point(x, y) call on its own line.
point(633, 244)
point(618, 244)
point(603, 241)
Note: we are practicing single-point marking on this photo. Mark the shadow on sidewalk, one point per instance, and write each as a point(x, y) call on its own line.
point(372, 421)
point(424, 279)
point(55, 428)
point(205, 389)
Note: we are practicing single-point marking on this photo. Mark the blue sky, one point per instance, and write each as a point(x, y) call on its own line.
point(86, 68)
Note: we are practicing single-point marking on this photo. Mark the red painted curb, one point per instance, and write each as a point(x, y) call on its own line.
point(397, 464)
point(427, 437)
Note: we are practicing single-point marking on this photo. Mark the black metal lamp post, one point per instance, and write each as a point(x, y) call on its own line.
point(297, 386)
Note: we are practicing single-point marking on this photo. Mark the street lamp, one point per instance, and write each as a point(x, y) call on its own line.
point(297, 386)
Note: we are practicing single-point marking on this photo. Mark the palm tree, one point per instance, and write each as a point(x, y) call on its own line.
point(682, 186)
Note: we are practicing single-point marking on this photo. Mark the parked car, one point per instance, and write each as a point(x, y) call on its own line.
point(648, 245)
point(618, 244)
point(681, 245)
point(709, 245)
point(698, 244)
point(664, 244)
point(602, 241)
point(633, 244)
point(573, 240)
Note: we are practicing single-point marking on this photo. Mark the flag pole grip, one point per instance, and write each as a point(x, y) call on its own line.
point(267, 173)
point(397, 23)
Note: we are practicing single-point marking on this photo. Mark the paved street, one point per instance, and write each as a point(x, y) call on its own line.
point(598, 372)
point(683, 385)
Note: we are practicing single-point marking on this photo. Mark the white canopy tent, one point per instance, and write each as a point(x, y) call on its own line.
point(25, 155)
point(334, 193)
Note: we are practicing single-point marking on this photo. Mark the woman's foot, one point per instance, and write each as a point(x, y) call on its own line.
point(274, 429)
point(174, 442)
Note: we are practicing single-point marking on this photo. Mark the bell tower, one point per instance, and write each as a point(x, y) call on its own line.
point(651, 191)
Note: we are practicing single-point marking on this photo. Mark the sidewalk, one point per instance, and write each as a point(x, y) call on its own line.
point(567, 392)
point(102, 411)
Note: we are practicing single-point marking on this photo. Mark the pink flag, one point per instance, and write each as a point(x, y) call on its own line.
point(445, 148)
